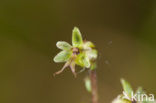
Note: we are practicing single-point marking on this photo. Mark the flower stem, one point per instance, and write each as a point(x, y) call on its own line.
point(92, 75)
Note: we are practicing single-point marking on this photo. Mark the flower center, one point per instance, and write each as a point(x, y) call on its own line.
point(76, 51)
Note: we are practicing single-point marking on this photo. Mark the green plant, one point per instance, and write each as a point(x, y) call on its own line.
point(129, 96)
point(84, 54)
point(81, 53)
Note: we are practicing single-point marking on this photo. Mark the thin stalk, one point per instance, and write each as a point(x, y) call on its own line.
point(93, 78)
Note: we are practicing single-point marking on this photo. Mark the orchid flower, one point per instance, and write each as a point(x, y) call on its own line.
point(80, 53)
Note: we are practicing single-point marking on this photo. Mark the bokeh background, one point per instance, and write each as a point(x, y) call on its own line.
point(124, 32)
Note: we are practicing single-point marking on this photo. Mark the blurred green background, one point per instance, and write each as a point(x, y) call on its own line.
point(124, 32)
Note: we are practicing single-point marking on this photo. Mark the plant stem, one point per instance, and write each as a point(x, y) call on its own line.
point(92, 75)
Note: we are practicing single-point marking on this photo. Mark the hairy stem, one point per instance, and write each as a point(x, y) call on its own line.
point(92, 75)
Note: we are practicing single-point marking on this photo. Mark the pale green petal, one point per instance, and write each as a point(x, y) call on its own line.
point(127, 87)
point(63, 56)
point(88, 45)
point(63, 45)
point(76, 38)
point(86, 62)
point(83, 61)
point(92, 54)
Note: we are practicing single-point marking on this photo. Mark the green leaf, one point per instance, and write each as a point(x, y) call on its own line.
point(82, 60)
point(76, 38)
point(63, 56)
point(63, 45)
point(127, 87)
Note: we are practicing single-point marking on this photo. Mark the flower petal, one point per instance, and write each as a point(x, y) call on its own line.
point(72, 67)
point(76, 38)
point(88, 45)
point(83, 61)
point(63, 56)
point(63, 45)
point(127, 87)
point(92, 54)
point(60, 71)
